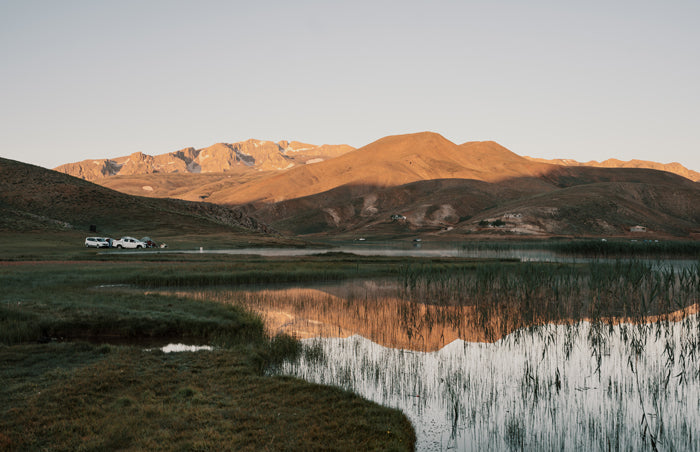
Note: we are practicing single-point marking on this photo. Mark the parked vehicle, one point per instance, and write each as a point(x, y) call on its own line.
point(149, 243)
point(96, 242)
point(128, 242)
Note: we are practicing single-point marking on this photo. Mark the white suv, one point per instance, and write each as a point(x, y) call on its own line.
point(128, 242)
point(96, 242)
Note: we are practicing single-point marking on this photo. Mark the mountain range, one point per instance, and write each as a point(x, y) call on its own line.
point(413, 184)
point(220, 157)
point(674, 167)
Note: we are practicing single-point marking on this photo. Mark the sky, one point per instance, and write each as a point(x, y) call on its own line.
point(553, 79)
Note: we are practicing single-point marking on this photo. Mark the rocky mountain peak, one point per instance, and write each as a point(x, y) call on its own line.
point(248, 155)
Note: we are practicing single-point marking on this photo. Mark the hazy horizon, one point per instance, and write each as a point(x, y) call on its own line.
point(86, 80)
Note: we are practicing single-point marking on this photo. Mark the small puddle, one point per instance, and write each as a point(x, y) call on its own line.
point(177, 348)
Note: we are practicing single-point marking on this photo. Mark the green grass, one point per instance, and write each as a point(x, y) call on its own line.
point(70, 244)
point(596, 248)
point(92, 397)
point(68, 394)
point(73, 392)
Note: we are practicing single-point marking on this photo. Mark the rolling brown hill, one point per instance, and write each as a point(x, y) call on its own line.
point(456, 207)
point(187, 186)
point(388, 162)
point(579, 204)
point(424, 184)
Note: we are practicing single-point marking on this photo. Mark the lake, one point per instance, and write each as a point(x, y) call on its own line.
point(435, 249)
point(507, 356)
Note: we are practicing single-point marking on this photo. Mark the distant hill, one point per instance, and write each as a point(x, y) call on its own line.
point(388, 162)
point(241, 157)
point(422, 183)
point(674, 167)
point(571, 204)
point(37, 199)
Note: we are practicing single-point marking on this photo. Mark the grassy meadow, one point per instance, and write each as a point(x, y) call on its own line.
point(80, 367)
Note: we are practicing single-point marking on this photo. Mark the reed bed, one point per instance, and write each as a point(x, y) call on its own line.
point(596, 248)
point(543, 389)
point(508, 356)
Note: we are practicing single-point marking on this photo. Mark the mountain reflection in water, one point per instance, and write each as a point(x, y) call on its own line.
point(480, 378)
point(381, 311)
point(521, 358)
point(366, 308)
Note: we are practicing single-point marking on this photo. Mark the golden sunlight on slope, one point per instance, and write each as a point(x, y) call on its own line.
point(388, 162)
point(674, 167)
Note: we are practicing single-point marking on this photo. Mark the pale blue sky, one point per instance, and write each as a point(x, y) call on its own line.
point(582, 80)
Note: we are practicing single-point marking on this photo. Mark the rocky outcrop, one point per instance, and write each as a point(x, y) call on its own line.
point(255, 155)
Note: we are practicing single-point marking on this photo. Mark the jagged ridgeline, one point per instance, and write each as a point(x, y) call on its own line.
point(221, 157)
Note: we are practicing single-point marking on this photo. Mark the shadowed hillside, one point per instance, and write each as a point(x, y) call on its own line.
point(423, 183)
point(33, 198)
point(674, 167)
point(492, 191)
point(391, 161)
point(573, 205)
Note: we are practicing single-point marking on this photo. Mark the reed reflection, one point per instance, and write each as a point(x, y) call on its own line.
point(498, 356)
point(426, 308)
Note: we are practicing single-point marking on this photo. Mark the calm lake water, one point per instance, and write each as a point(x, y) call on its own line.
point(414, 249)
point(525, 391)
point(468, 382)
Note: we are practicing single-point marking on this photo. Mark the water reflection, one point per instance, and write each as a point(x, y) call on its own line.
point(368, 308)
point(540, 390)
point(424, 250)
point(499, 358)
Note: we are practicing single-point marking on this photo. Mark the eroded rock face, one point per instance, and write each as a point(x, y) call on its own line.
point(221, 157)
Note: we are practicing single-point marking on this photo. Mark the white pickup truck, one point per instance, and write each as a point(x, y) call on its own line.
point(128, 242)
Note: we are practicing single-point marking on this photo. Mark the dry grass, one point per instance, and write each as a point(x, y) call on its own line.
point(125, 398)
point(82, 396)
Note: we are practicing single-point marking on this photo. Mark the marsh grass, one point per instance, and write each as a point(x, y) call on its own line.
point(71, 395)
point(521, 295)
point(602, 355)
point(50, 301)
point(88, 397)
point(542, 334)
point(596, 248)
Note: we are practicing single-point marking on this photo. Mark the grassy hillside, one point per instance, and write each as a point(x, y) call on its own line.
point(33, 199)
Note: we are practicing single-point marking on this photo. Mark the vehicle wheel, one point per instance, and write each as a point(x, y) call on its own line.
point(119, 246)
point(138, 246)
